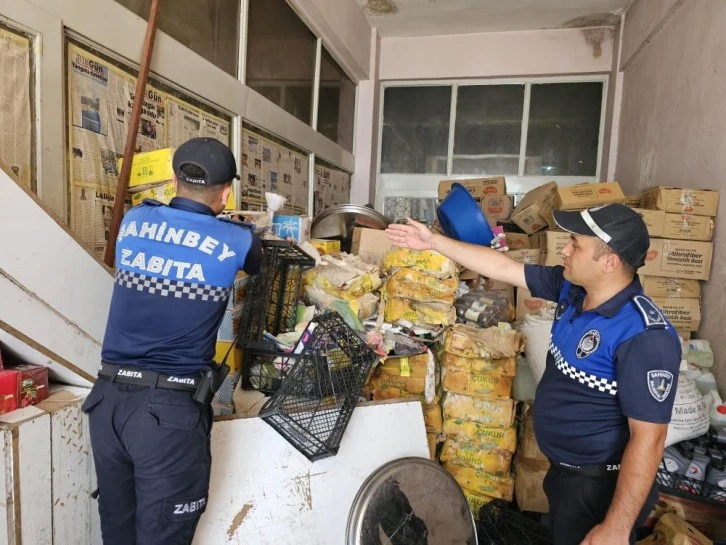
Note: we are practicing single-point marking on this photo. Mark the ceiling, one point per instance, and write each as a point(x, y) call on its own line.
point(432, 17)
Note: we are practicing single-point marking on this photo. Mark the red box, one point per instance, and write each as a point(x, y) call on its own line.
point(32, 385)
point(9, 390)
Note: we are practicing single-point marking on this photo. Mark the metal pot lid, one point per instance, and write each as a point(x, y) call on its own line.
point(410, 501)
point(338, 221)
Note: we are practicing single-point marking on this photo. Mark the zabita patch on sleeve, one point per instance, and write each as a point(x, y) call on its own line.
point(659, 384)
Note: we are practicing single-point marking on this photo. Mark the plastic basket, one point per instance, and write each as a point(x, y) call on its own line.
point(272, 294)
point(264, 367)
point(693, 489)
point(316, 399)
point(500, 524)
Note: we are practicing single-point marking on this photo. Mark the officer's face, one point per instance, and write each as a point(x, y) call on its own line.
point(578, 259)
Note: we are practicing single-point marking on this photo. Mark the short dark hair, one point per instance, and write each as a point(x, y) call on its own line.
point(602, 249)
point(206, 194)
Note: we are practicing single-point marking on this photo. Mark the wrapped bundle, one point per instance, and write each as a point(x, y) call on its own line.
point(427, 261)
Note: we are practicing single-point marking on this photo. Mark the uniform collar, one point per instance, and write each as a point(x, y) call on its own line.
point(189, 205)
point(613, 305)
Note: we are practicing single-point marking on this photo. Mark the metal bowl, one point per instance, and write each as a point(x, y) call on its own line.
point(337, 222)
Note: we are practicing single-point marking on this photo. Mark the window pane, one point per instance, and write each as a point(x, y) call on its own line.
point(488, 129)
point(281, 57)
point(415, 129)
point(210, 29)
point(420, 209)
point(564, 128)
point(336, 105)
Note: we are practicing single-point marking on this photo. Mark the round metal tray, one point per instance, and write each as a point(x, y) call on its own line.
point(338, 221)
point(410, 501)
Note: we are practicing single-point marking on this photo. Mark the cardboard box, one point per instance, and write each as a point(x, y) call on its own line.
point(9, 390)
point(294, 227)
point(478, 187)
point(678, 259)
point(150, 167)
point(502, 289)
point(528, 481)
point(684, 314)
point(526, 256)
point(688, 227)
point(370, 245)
point(632, 201)
point(655, 286)
point(551, 245)
point(527, 215)
point(528, 447)
point(33, 383)
point(165, 192)
point(577, 197)
point(654, 220)
point(517, 241)
point(535, 241)
point(700, 202)
point(526, 304)
point(325, 246)
point(497, 207)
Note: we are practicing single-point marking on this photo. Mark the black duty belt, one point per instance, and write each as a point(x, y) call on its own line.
point(142, 377)
point(601, 470)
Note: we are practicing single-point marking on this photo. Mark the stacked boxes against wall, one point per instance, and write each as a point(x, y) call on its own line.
point(478, 368)
point(420, 291)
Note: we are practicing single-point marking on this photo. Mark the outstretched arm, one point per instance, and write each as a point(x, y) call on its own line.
point(480, 259)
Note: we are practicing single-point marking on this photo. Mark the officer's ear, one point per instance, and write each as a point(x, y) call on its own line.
point(224, 195)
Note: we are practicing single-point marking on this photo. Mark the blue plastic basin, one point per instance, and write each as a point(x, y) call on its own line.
point(461, 218)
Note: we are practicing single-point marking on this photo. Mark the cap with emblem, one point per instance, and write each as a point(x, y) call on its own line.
point(213, 160)
point(618, 226)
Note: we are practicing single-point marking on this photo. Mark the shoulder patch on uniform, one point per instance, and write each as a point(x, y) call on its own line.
point(152, 202)
point(659, 384)
point(652, 316)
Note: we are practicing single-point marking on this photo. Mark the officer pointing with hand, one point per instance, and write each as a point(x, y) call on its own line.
point(603, 405)
point(149, 410)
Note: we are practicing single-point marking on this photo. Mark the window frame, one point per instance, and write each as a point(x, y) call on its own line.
point(426, 185)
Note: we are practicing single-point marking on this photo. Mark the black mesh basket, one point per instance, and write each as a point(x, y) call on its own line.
point(693, 489)
point(272, 294)
point(264, 367)
point(315, 402)
point(500, 524)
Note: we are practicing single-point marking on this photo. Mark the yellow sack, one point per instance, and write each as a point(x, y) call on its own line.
point(433, 440)
point(495, 413)
point(487, 385)
point(475, 480)
point(433, 418)
point(427, 261)
point(505, 366)
point(476, 501)
point(419, 313)
point(490, 343)
point(467, 455)
point(405, 366)
point(411, 385)
point(483, 437)
point(419, 286)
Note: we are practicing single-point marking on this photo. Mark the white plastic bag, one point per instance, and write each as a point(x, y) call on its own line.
point(536, 329)
point(690, 416)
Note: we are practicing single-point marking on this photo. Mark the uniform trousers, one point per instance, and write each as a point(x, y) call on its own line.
point(152, 454)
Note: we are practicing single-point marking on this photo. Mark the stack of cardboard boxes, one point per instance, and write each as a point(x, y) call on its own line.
point(490, 193)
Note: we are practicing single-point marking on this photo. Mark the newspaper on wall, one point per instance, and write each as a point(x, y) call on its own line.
point(93, 208)
point(15, 107)
point(186, 121)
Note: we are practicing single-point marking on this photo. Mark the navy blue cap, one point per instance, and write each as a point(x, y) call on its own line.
point(211, 156)
point(618, 226)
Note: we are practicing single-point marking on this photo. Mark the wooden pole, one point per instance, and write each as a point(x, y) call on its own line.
point(123, 178)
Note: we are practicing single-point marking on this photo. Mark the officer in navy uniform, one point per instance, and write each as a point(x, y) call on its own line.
point(149, 410)
point(604, 402)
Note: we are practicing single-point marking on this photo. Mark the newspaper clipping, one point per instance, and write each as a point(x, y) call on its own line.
point(15, 113)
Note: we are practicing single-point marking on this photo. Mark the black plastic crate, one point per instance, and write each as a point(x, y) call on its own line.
point(689, 488)
point(315, 402)
point(500, 524)
point(264, 367)
point(272, 294)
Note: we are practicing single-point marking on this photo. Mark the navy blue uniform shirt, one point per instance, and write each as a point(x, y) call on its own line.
point(605, 365)
point(175, 267)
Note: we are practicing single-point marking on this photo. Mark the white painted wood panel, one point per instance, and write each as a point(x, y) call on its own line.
point(264, 492)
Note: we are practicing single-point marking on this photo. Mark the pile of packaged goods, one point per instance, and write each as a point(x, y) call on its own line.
point(478, 366)
point(21, 384)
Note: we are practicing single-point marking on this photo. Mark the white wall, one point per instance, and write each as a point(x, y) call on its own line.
point(673, 118)
point(497, 54)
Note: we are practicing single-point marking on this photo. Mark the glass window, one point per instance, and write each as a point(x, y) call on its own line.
point(415, 129)
point(420, 209)
point(564, 129)
point(336, 102)
point(488, 129)
point(209, 28)
point(281, 57)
